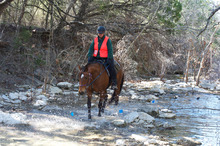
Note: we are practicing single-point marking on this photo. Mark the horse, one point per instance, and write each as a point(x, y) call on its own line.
point(94, 78)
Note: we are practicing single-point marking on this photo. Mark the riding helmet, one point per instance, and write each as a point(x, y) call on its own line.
point(101, 29)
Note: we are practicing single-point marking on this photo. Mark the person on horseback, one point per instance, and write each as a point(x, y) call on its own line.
point(101, 49)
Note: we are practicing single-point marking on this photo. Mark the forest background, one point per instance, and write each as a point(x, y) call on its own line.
point(46, 40)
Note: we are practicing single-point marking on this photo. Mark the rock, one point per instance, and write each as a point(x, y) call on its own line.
point(42, 97)
point(5, 97)
point(157, 90)
point(151, 84)
point(187, 141)
point(135, 96)
point(119, 123)
point(132, 92)
point(168, 126)
point(120, 142)
point(167, 87)
point(23, 97)
point(139, 138)
point(11, 119)
point(166, 110)
point(218, 87)
point(131, 117)
point(38, 91)
point(148, 126)
point(40, 103)
point(16, 101)
point(149, 97)
point(182, 85)
point(67, 93)
point(92, 105)
point(55, 90)
point(207, 85)
point(145, 117)
point(13, 96)
point(64, 85)
point(167, 115)
point(149, 109)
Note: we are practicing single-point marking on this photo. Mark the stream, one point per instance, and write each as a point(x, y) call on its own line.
point(198, 116)
point(64, 121)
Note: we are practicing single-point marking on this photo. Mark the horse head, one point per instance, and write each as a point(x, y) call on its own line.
point(84, 80)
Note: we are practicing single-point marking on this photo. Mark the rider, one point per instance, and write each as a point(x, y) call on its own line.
point(101, 49)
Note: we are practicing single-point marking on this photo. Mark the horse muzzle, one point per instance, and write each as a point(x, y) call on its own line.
point(81, 92)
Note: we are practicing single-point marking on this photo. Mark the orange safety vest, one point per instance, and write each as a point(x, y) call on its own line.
point(103, 50)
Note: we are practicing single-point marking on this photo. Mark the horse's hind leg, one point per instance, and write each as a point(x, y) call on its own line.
point(103, 96)
point(104, 103)
point(115, 97)
point(112, 98)
point(100, 106)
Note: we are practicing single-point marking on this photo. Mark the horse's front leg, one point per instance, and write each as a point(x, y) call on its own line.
point(101, 104)
point(89, 105)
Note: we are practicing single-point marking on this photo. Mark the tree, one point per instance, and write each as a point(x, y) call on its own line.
point(4, 4)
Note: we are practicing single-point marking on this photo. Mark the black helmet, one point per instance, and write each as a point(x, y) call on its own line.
point(101, 29)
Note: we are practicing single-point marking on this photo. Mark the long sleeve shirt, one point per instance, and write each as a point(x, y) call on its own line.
point(100, 41)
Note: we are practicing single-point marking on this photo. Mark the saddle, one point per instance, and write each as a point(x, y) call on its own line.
point(104, 63)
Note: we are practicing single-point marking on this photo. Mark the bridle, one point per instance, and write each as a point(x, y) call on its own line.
point(88, 83)
point(90, 78)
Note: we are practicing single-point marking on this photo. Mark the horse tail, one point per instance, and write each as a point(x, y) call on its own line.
point(122, 81)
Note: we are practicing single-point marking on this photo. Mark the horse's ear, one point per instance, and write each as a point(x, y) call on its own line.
point(79, 67)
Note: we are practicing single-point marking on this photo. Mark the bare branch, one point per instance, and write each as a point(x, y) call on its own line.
point(4, 4)
point(212, 14)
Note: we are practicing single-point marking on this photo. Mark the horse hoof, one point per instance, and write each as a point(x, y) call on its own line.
point(116, 103)
point(99, 115)
point(109, 102)
point(89, 117)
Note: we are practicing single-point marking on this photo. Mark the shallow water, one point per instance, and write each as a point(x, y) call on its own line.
point(198, 116)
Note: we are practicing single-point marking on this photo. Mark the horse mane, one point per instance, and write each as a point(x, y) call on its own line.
point(85, 67)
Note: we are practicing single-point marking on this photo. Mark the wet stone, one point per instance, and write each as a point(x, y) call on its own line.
point(187, 141)
point(119, 123)
point(167, 115)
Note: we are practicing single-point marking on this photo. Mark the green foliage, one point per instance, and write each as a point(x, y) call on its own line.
point(22, 38)
point(39, 61)
point(170, 14)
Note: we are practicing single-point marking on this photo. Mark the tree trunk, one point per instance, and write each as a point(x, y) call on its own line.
point(187, 66)
point(22, 13)
point(204, 55)
point(63, 18)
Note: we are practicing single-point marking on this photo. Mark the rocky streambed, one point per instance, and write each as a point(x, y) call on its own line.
point(149, 113)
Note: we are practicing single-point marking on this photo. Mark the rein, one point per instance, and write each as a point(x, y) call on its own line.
point(90, 77)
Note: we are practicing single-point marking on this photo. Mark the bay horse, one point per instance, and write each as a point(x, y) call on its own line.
point(94, 78)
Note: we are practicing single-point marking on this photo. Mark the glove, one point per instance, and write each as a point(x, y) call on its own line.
point(90, 59)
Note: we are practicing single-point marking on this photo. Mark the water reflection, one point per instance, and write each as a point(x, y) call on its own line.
point(196, 117)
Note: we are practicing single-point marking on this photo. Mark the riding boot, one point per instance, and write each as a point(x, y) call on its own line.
point(112, 73)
